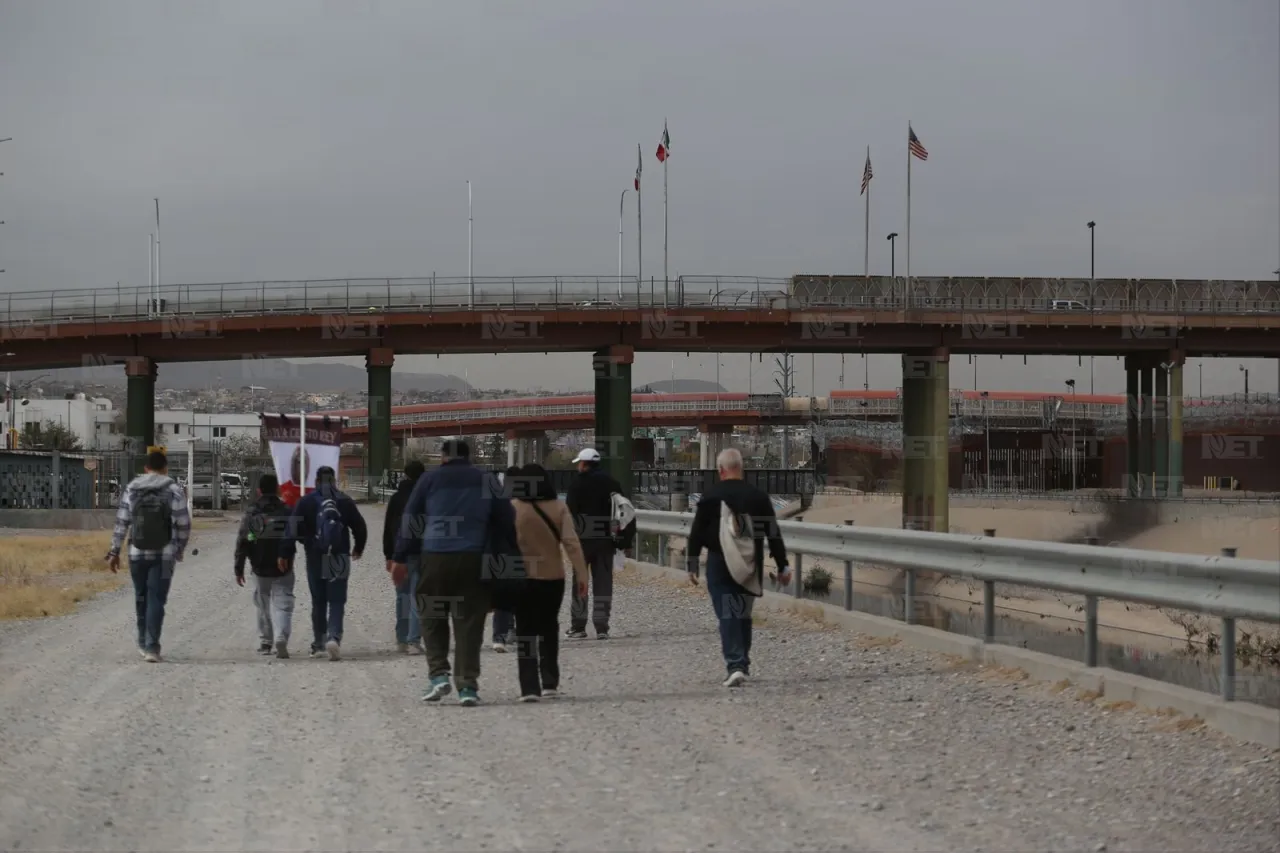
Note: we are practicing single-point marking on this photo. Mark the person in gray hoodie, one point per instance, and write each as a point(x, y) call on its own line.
point(153, 512)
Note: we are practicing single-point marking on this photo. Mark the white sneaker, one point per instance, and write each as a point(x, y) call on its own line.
point(500, 648)
point(417, 649)
point(334, 650)
point(550, 693)
point(151, 657)
point(529, 697)
point(402, 648)
point(735, 679)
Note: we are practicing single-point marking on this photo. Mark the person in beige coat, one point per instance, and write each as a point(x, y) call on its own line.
point(544, 529)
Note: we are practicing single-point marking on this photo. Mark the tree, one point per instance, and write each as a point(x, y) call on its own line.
point(51, 435)
point(238, 448)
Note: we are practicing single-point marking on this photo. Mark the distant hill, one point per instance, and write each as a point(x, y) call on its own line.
point(682, 386)
point(276, 374)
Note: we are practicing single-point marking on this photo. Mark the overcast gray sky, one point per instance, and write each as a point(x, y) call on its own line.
point(294, 140)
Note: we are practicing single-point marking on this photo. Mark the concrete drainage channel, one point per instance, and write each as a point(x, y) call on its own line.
point(1242, 720)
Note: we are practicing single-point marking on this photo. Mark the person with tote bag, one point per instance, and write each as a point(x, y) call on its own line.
point(732, 522)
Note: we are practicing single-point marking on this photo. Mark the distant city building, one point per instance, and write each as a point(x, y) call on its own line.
point(91, 419)
point(174, 425)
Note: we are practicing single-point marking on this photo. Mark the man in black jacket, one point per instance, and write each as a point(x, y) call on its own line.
point(590, 501)
point(408, 628)
point(732, 601)
point(263, 528)
point(327, 573)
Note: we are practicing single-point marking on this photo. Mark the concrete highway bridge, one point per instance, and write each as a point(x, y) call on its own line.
point(1155, 324)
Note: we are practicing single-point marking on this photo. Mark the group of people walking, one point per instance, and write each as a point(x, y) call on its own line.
point(459, 543)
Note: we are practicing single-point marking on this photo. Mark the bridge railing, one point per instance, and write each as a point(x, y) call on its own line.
point(1224, 587)
point(545, 293)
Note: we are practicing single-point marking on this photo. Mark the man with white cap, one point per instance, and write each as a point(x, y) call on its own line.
point(590, 501)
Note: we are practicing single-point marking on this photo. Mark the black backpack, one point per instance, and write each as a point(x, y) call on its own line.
point(266, 527)
point(151, 519)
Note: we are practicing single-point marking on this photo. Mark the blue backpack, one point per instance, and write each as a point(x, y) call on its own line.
point(331, 530)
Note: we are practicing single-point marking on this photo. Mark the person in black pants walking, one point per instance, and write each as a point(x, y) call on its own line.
point(731, 600)
point(327, 573)
point(590, 502)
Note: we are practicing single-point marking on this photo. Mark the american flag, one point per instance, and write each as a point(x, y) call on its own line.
point(914, 146)
point(866, 175)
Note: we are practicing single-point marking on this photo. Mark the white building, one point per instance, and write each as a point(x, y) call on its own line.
point(91, 419)
point(174, 425)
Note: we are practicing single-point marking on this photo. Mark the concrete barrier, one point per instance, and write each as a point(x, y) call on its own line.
point(57, 519)
point(1242, 720)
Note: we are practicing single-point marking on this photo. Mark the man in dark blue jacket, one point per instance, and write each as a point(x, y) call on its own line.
point(328, 565)
point(453, 515)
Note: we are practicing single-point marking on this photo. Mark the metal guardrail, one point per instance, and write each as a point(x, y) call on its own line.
point(542, 293)
point(1225, 587)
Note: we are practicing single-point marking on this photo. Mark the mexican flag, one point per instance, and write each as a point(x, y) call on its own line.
point(664, 147)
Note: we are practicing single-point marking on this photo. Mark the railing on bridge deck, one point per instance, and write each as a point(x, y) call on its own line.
point(543, 293)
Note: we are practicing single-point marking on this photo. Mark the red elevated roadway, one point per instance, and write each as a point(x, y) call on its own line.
point(531, 414)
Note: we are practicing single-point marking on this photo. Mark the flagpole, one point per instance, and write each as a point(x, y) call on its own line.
point(639, 224)
point(866, 236)
point(666, 280)
point(907, 285)
point(157, 298)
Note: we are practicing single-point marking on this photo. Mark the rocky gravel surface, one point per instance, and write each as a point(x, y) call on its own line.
point(838, 743)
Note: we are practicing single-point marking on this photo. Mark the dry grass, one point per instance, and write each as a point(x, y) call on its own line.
point(1004, 673)
point(1059, 686)
point(1088, 696)
point(50, 575)
point(865, 641)
point(1123, 705)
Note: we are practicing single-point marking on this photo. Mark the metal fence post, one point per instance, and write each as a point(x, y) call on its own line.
point(909, 597)
point(989, 602)
point(55, 472)
point(848, 578)
point(799, 570)
point(1228, 649)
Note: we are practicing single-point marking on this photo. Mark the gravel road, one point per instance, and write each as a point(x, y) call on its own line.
point(838, 744)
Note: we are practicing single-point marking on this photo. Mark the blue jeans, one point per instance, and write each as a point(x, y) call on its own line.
point(504, 624)
point(408, 626)
point(328, 601)
point(151, 580)
point(733, 606)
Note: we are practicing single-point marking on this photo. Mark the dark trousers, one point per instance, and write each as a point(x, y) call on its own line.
point(449, 590)
point(504, 622)
point(733, 606)
point(150, 592)
point(600, 562)
point(327, 581)
point(538, 636)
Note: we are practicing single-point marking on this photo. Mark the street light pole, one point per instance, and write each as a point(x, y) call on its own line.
point(986, 435)
point(893, 254)
point(1091, 225)
point(471, 282)
point(1071, 383)
point(620, 203)
point(1246, 382)
point(1092, 287)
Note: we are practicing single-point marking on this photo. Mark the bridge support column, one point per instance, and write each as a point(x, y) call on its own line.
point(526, 448)
point(925, 409)
point(1133, 432)
point(1160, 425)
point(1146, 439)
point(511, 451)
point(612, 367)
point(1176, 362)
point(378, 364)
point(140, 408)
point(712, 439)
